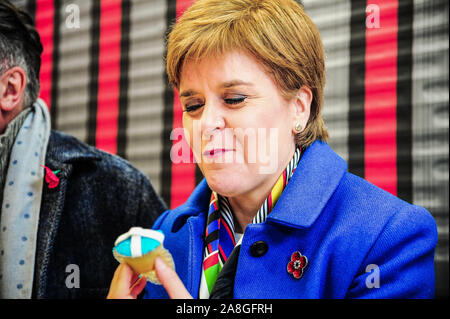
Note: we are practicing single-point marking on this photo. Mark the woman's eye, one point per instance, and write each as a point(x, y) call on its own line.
point(192, 108)
point(235, 100)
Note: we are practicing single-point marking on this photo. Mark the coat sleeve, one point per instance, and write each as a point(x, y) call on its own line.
point(400, 263)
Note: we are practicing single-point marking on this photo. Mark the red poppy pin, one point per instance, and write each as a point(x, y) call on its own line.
point(297, 265)
point(50, 177)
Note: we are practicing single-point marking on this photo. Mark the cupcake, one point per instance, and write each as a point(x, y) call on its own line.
point(139, 247)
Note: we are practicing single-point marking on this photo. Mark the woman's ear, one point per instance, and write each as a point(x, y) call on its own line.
point(12, 88)
point(301, 107)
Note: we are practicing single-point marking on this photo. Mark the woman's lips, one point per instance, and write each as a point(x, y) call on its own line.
point(216, 152)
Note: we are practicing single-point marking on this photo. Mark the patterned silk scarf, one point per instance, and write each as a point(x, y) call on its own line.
point(22, 196)
point(220, 231)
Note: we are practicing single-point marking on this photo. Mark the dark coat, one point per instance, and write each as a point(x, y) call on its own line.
point(99, 197)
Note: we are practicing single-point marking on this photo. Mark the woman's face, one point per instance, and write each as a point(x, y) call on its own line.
point(239, 127)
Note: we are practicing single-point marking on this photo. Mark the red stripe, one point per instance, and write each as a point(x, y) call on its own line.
point(270, 201)
point(209, 247)
point(228, 230)
point(182, 5)
point(44, 24)
point(183, 174)
point(211, 261)
point(109, 75)
point(224, 257)
point(381, 98)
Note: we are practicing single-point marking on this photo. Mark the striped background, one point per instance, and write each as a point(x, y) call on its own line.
point(386, 98)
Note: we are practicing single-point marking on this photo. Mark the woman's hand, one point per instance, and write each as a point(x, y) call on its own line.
point(125, 286)
point(170, 280)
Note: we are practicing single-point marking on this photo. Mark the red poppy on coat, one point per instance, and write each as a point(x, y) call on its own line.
point(297, 264)
point(50, 177)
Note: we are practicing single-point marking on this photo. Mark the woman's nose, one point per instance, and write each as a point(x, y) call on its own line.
point(212, 120)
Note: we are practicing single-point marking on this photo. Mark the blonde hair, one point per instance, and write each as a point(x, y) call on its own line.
point(277, 33)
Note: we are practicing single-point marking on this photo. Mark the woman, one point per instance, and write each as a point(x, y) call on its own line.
point(278, 215)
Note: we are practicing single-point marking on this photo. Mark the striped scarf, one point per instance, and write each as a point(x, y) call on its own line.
point(220, 231)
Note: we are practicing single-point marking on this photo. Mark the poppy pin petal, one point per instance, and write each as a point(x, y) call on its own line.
point(50, 177)
point(297, 265)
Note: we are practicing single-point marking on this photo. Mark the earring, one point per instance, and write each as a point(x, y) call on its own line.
point(298, 127)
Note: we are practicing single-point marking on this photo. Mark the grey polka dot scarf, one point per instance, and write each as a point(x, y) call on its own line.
point(21, 204)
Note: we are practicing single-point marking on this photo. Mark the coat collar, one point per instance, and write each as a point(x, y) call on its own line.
point(64, 148)
point(315, 179)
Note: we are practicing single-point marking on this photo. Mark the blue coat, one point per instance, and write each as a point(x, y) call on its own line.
point(360, 241)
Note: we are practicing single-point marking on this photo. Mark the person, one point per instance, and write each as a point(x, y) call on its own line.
point(295, 224)
point(62, 201)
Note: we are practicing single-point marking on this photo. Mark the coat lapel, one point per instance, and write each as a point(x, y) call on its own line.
point(49, 217)
point(187, 224)
point(196, 227)
point(62, 153)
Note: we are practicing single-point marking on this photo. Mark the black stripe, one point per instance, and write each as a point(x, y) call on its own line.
point(198, 175)
point(212, 237)
point(214, 216)
point(93, 72)
point(123, 83)
point(223, 258)
point(227, 216)
point(166, 173)
point(227, 220)
point(404, 99)
point(224, 204)
point(55, 62)
point(30, 8)
point(224, 285)
point(356, 93)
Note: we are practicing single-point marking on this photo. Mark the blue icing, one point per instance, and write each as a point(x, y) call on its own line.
point(147, 245)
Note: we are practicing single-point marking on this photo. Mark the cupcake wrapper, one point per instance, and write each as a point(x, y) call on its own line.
point(151, 276)
point(167, 258)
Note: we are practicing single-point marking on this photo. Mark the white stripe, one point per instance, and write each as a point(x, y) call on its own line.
point(135, 246)
point(294, 162)
point(150, 233)
point(227, 214)
point(221, 261)
point(203, 292)
point(228, 217)
point(224, 204)
point(256, 220)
